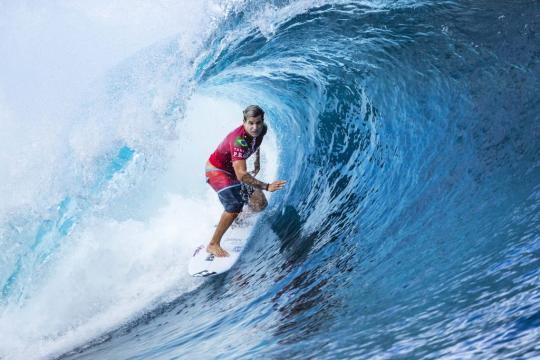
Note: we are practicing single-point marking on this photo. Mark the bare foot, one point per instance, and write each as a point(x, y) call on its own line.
point(217, 250)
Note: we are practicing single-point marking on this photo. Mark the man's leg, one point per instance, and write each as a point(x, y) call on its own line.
point(225, 222)
point(257, 201)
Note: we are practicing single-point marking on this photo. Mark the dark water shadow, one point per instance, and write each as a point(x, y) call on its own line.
point(288, 227)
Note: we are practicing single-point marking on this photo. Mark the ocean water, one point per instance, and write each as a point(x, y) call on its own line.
point(408, 132)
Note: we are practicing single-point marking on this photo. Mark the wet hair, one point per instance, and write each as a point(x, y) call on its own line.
point(253, 111)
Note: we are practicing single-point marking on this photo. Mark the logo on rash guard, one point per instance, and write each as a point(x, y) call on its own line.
point(240, 141)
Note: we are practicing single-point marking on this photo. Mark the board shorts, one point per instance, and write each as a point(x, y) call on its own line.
point(232, 193)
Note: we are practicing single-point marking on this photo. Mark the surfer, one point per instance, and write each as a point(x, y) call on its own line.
point(226, 173)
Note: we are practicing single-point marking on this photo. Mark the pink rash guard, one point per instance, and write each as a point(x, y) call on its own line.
point(237, 145)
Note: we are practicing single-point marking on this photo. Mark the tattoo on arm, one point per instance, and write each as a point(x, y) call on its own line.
point(250, 180)
point(257, 163)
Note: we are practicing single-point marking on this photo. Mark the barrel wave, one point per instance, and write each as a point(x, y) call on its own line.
point(410, 224)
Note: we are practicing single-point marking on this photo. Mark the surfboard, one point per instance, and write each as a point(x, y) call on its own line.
point(203, 264)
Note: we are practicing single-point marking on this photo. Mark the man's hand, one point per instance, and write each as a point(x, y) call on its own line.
point(276, 185)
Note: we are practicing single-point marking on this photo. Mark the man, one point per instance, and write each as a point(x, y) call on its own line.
point(226, 172)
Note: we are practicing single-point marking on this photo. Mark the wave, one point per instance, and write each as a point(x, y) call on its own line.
point(409, 226)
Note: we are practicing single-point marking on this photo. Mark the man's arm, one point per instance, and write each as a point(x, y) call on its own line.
point(257, 163)
point(240, 170)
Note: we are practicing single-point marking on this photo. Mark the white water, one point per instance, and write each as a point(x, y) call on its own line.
point(129, 249)
point(54, 56)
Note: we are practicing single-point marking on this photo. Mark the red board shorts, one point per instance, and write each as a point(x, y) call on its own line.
point(232, 193)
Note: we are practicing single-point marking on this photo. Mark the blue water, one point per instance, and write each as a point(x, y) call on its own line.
point(410, 227)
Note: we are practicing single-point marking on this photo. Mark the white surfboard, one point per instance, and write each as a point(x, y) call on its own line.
point(202, 263)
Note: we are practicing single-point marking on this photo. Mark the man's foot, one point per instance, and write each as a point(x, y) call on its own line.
point(217, 250)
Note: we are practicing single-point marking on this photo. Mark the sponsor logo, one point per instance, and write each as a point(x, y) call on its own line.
point(198, 249)
point(204, 273)
point(239, 154)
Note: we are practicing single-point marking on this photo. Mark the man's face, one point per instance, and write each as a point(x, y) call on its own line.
point(254, 125)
